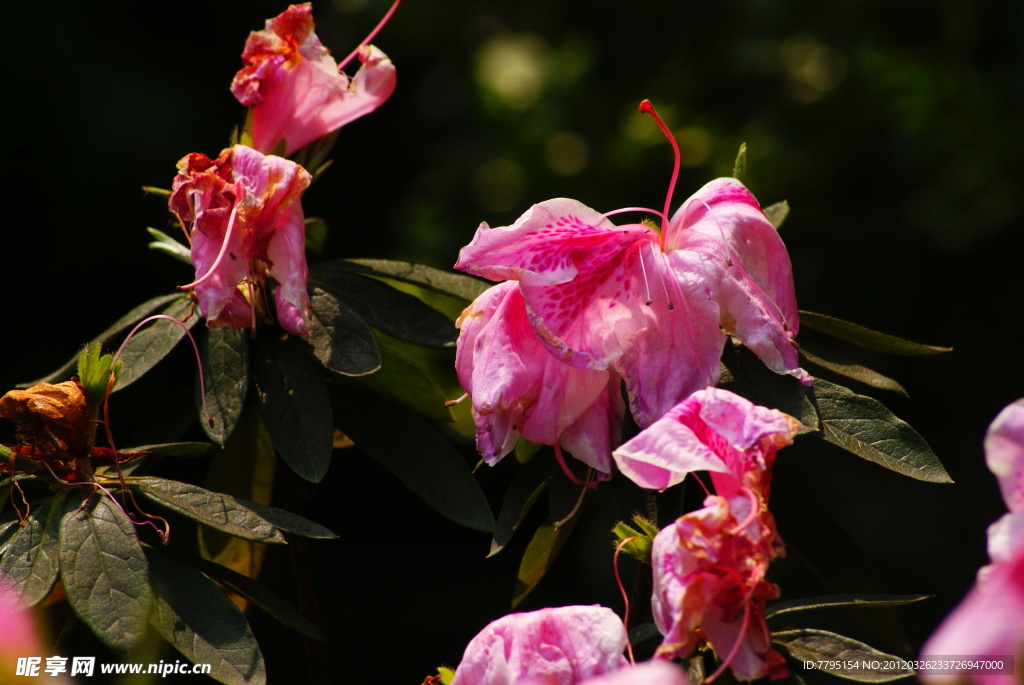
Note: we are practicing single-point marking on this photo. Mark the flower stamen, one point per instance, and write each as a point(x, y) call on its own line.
point(371, 36)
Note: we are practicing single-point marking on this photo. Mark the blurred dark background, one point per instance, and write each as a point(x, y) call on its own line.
point(893, 130)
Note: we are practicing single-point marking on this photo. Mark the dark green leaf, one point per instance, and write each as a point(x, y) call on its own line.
point(565, 498)
point(30, 561)
point(837, 362)
point(777, 213)
point(287, 521)
point(104, 570)
point(746, 375)
point(417, 455)
point(863, 426)
point(865, 337)
point(295, 407)
point(270, 602)
point(847, 600)
point(316, 235)
point(341, 339)
point(396, 313)
point(739, 167)
point(194, 616)
point(828, 649)
point(213, 509)
point(520, 496)
point(540, 554)
point(132, 317)
point(172, 449)
point(450, 283)
point(225, 356)
point(9, 525)
point(165, 243)
point(155, 340)
point(402, 380)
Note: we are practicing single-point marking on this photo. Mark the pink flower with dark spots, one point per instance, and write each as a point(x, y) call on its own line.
point(296, 90)
point(519, 389)
point(561, 646)
point(650, 304)
point(245, 223)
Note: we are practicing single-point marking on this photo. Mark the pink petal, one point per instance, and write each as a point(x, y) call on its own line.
point(650, 673)
point(1004, 454)
point(1006, 537)
point(560, 646)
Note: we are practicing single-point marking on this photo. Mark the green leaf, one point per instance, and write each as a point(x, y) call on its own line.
point(104, 570)
point(863, 426)
point(155, 341)
point(221, 512)
point(846, 601)
point(30, 561)
point(828, 649)
point(777, 213)
point(402, 380)
point(94, 372)
point(464, 287)
point(172, 449)
point(225, 359)
point(837, 362)
point(739, 167)
point(341, 339)
point(746, 375)
point(316, 235)
point(865, 337)
point(389, 310)
point(565, 498)
point(287, 521)
point(519, 498)
point(416, 454)
point(193, 615)
point(540, 554)
point(295, 407)
point(132, 317)
point(640, 547)
point(165, 243)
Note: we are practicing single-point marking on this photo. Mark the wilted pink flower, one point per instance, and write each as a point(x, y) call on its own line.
point(990, 620)
point(246, 224)
point(518, 388)
point(649, 673)
point(709, 584)
point(562, 646)
point(296, 90)
point(711, 430)
point(650, 304)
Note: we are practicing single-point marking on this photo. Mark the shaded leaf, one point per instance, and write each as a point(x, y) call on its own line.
point(193, 615)
point(416, 454)
point(212, 509)
point(540, 554)
point(295, 407)
point(565, 498)
point(847, 601)
point(316, 235)
point(863, 426)
point(30, 561)
point(104, 570)
point(777, 213)
point(225, 361)
point(402, 380)
point(837, 362)
point(396, 313)
point(155, 340)
point(165, 243)
point(519, 498)
point(746, 375)
point(452, 283)
point(287, 521)
point(865, 337)
point(132, 317)
point(808, 644)
point(172, 449)
point(341, 339)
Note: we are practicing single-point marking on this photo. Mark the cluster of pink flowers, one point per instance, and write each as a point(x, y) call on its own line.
point(243, 210)
point(990, 619)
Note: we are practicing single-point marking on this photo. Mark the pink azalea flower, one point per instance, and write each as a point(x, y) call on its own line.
point(650, 673)
point(518, 388)
point(650, 304)
point(296, 90)
point(712, 430)
point(561, 646)
point(20, 636)
point(990, 620)
point(246, 224)
point(709, 586)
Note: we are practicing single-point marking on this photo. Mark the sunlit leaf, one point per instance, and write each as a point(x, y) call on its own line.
point(30, 561)
point(851, 656)
point(165, 243)
point(225, 357)
point(519, 498)
point(863, 426)
point(844, 601)
point(865, 337)
point(839, 363)
point(341, 338)
point(155, 340)
point(777, 213)
point(448, 282)
point(403, 380)
point(104, 570)
point(94, 372)
point(540, 554)
point(295, 407)
point(739, 167)
point(192, 614)
point(416, 454)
